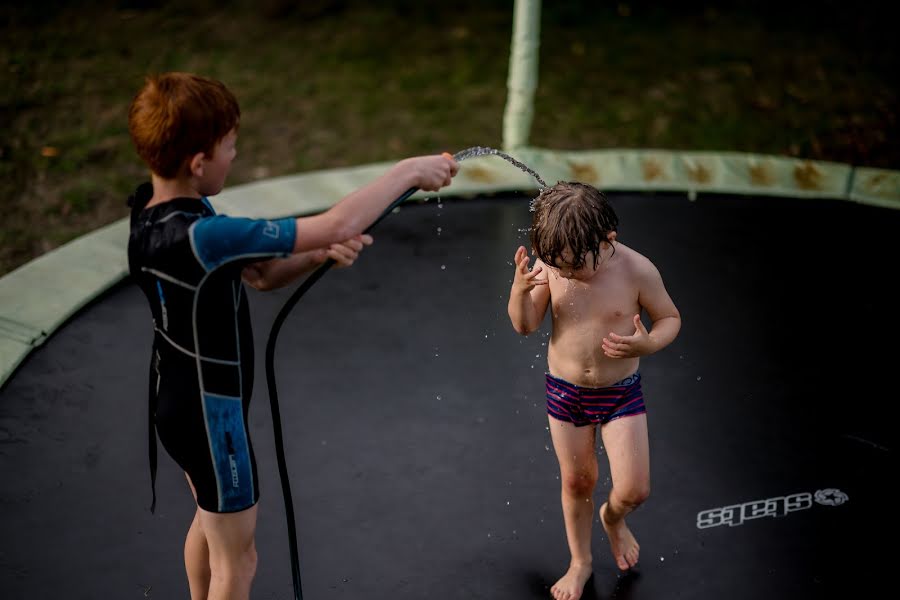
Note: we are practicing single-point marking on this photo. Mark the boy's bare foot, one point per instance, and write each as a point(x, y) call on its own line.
point(625, 548)
point(571, 585)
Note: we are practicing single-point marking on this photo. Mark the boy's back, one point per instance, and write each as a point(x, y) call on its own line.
point(188, 263)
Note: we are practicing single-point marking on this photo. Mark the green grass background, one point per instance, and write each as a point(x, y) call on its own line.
point(330, 83)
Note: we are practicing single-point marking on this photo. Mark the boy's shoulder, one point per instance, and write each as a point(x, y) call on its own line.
point(633, 260)
point(145, 213)
point(630, 254)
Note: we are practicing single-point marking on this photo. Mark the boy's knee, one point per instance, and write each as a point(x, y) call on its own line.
point(579, 484)
point(633, 496)
point(238, 566)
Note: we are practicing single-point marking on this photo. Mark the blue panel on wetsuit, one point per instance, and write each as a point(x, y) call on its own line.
point(219, 239)
point(231, 454)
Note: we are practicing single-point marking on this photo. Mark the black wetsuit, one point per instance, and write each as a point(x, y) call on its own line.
point(187, 260)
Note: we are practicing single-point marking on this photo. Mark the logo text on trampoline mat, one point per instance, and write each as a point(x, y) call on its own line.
point(737, 514)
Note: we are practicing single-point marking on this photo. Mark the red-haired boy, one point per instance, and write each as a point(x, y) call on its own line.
point(191, 264)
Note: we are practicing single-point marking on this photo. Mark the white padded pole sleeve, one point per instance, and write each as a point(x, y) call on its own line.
point(523, 74)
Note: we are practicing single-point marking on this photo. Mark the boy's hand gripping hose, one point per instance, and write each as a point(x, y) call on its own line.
point(273, 394)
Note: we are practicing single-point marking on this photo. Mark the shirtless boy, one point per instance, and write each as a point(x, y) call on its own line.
point(597, 288)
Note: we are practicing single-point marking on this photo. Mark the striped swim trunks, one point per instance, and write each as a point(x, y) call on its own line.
point(586, 406)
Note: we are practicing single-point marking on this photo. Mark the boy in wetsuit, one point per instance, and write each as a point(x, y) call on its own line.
point(191, 264)
point(596, 288)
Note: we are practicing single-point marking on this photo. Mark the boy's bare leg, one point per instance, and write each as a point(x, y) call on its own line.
point(196, 560)
point(628, 450)
point(232, 552)
point(196, 555)
point(575, 450)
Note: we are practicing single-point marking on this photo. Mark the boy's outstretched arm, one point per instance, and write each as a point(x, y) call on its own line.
point(529, 295)
point(358, 210)
point(279, 272)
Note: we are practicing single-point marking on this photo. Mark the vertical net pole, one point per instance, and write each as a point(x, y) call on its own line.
point(523, 74)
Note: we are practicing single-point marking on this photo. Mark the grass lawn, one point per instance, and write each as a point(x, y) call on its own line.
point(334, 83)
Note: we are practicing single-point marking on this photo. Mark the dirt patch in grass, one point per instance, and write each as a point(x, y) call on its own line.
point(333, 83)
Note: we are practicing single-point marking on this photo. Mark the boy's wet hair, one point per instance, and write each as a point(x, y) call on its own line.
point(571, 215)
point(176, 115)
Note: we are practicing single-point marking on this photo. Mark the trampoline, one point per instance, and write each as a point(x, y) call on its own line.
point(416, 434)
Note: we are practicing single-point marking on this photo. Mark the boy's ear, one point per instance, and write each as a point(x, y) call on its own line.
point(611, 236)
point(196, 164)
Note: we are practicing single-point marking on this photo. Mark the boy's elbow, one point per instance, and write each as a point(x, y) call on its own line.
point(676, 323)
point(255, 279)
point(263, 285)
point(519, 323)
point(521, 327)
point(253, 276)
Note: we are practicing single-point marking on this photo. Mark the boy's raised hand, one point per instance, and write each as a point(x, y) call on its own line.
point(629, 346)
point(526, 280)
point(435, 171)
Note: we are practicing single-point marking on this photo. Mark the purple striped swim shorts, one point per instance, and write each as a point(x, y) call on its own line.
point(586, 406)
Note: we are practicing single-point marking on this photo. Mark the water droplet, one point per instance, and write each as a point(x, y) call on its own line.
point(443, 267)
point(662, 558)
point(698, 378)
point(438, 397)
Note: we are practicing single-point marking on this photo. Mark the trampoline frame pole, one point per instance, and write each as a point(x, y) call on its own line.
point(522, 80)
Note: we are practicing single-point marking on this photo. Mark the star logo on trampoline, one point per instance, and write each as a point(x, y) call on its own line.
point(830, 497)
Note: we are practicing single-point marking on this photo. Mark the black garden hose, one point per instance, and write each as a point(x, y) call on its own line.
point(273, 395)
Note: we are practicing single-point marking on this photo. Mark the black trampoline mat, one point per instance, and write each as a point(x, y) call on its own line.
point(416, 433)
